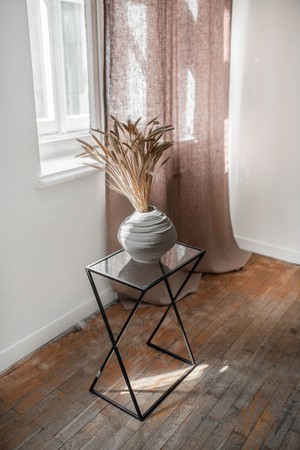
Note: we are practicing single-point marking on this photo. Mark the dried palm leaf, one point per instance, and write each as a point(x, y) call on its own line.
point(129, 154)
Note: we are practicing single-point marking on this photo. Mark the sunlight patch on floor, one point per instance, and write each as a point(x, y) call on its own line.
point(223, 369)
point(154, 382)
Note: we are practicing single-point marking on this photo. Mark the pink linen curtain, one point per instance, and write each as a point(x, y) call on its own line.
point(170, 58)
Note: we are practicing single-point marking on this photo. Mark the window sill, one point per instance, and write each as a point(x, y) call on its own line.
point(59, 163)
point(61, 170)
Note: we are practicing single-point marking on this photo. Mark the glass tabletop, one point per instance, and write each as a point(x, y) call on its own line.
point(120, 267)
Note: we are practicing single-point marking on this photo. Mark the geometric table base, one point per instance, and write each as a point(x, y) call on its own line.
point(114, 350)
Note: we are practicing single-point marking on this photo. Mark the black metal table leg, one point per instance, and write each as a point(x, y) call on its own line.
point(114, 349)
point(174, 306)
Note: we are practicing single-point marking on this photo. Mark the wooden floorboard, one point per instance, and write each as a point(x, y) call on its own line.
point(244, 330)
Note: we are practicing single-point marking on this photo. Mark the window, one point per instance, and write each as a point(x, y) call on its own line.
point(66, 51)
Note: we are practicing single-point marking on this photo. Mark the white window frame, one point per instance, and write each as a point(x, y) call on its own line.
point(65, 122)
point(57, 151)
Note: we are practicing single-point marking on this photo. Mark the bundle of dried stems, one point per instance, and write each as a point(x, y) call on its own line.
point(129, 154)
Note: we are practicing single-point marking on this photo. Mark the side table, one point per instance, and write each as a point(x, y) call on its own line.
point(120, 268)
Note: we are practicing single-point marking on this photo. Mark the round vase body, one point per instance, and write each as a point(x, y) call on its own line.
point(147, 236)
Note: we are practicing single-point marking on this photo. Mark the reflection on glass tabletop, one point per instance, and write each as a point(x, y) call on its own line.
point(120, 267)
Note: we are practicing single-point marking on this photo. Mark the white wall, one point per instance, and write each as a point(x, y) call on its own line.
point(265, 129)
point(47, 236)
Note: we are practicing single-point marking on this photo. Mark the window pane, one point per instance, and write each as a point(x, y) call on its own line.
point(38, 16)
point(75, 57)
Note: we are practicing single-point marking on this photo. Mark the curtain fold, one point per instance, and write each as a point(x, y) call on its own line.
point(170, 58)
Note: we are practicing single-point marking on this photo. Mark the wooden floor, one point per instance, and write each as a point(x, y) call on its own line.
point(244, 329)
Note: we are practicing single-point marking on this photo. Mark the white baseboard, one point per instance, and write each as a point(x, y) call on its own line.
point(27, 345)
point(262, 248)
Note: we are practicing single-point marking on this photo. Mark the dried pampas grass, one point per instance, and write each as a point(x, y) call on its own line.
point(129, 154)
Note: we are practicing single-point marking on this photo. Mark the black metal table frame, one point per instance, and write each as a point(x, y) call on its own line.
point(115, 341)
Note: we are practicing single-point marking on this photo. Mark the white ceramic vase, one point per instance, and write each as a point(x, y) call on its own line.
point(147, 236)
